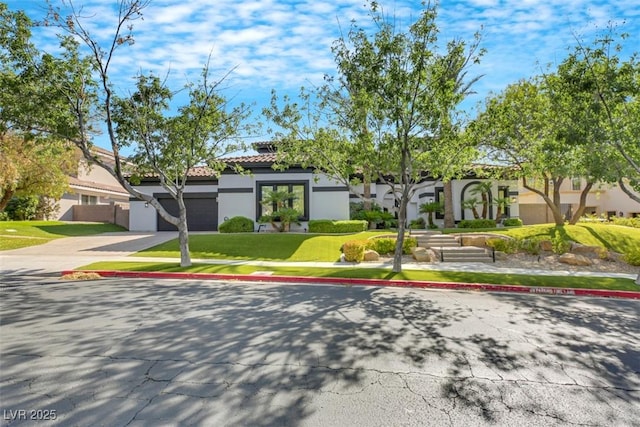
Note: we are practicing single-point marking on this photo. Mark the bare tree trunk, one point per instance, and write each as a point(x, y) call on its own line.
point(583, 204)
point(402, 218)
point(449, 218)
point(183, 234)
point(485, 205)
point(4, 201)
point(366, 182)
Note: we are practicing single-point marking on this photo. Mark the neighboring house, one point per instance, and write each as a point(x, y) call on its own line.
point(91, 185)
point(605, 200)
point(210, 199)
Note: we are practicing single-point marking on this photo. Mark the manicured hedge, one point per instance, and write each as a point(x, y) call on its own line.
point(237, 224)
point(477, 223)
point(330, 226)
point(512, 222)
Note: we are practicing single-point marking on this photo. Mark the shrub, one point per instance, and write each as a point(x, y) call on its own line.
point(354, 250)
point(418, 224)
point(387, 245)
point(512, 222)
point(627, 222)
point(477, 223)
point(632, 257)
point(22, 208)
point(237, 224)
point(329, 226)
point(382, 245)
point(530, 246)
point(408, 244)
point(508, 246)
point(559, 245)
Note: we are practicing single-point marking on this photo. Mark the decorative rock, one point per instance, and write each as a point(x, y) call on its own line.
point(546, 245)
point(573, 259)
point(421, 254)
point(501, 256)
point(371, 255)
point(474, 241)
point(577, 248)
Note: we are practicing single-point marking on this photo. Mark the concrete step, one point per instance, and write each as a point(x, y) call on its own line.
point(438, 240)
point(464, 254)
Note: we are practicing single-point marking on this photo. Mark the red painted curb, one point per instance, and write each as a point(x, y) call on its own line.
point(366, 282)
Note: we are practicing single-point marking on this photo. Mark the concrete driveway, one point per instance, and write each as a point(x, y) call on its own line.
point(71, 252)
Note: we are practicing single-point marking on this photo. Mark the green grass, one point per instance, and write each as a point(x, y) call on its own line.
point(20, 234)
point(379, 273)
point(261, 246)
point(613, 237)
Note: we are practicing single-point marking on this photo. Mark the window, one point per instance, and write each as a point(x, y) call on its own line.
point(440, 199)
point(300, 189)
point(576, 184)
point(88, 200)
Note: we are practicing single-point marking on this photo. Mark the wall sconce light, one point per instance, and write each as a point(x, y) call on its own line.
point(430, 200)
point(514, 199)
point(146, 204)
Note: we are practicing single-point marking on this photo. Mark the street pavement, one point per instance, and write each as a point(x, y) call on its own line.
point(161, 353)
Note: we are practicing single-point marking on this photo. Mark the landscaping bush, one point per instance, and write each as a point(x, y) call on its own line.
point(387, 245)
point(22, 208)
point(512, 222)
point(237, 224)
point(477, 223)
point(530, 246)
point(329, 226)
point(418, 224)
point(632, 257)
point(627, 222)
point(408, 244)
point(354, 250)
point(508, 246)
point(559, 245)
point(382, 245)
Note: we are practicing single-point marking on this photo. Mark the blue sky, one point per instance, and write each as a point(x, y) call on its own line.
point(285, 44)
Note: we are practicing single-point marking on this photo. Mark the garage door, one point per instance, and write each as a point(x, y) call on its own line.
point(202, 212)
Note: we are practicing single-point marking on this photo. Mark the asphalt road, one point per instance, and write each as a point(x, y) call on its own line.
point(145, 353)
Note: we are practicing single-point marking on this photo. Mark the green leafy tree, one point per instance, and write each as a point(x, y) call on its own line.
point(501, 203)
point(603, 89)
point(390, 111)
point(32, 168)
point(166, 146)
point(283, 214)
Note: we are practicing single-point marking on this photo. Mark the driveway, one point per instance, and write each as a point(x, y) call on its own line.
point(71, 252)
point(145, 353)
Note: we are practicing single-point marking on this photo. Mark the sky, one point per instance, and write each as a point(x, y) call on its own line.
point(282, 45)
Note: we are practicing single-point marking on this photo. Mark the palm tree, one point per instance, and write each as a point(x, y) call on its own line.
point(471, 204)
point(502, 203)
point(429, 209)
point(282, 213)
point(483, 189)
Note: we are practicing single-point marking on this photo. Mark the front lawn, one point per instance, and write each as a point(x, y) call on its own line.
point(20, 234)
point(381, 273)
point(613, 237)
point(261, 246)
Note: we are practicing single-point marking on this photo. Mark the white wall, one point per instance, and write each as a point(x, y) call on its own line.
point(236, 204)
point(329, 205)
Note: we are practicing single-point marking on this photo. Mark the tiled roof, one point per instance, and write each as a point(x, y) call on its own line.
point(203, 171)
point(75, 182)
point(257, 158)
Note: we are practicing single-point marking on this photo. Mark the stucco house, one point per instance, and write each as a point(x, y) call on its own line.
point(91, 185)
point(604, 200)
point(211, 199)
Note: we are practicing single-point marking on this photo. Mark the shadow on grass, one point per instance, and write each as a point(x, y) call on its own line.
point(69, 230)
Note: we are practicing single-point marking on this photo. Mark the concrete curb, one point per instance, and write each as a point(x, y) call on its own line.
point(367, 282)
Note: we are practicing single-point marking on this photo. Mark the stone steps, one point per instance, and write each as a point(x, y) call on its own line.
point(438, 241)
point(463, 254)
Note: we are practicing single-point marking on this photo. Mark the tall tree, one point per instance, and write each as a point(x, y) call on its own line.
point(604, 91)
point(405, 87)
point(527, 126)
point(167, 147)
point(32, 168)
